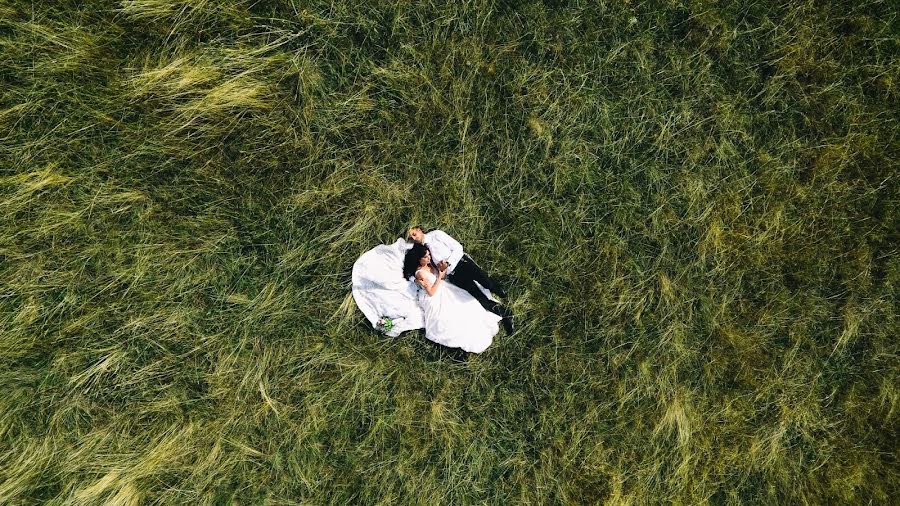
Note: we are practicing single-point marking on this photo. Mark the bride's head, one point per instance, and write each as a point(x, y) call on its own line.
point(417, 256)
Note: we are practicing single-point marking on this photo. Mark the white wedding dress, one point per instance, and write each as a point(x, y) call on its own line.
point(455, 319)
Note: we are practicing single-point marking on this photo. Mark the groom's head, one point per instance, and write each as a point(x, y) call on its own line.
point(417, 234)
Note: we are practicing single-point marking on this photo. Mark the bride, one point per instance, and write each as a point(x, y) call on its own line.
point(453, 317)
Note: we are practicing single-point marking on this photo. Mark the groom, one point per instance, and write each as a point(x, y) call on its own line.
point(447, 254)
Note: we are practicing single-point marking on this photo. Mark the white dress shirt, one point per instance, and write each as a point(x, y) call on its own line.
point(444, 247)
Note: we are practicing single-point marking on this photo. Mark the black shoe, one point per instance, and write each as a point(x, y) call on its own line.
point(508, 324)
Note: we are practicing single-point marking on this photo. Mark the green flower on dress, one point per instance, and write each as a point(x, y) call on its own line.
point(385, 324)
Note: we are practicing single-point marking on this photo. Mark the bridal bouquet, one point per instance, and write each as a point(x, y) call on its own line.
point(385, 324)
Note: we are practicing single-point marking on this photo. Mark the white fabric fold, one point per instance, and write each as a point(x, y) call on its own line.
point(379, 288)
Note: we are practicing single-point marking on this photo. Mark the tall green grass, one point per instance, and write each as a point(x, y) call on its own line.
point(694, 205)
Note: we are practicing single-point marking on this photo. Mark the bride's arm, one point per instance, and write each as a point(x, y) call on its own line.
point(430, 288)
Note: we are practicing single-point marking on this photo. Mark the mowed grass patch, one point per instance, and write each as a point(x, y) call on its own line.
point(693, 207)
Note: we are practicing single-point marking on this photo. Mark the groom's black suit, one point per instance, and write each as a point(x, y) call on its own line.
point(467, 273)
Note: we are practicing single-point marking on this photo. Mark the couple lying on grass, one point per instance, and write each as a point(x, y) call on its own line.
point(458, 313)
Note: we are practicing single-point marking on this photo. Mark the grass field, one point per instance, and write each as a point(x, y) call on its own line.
point(695, 205)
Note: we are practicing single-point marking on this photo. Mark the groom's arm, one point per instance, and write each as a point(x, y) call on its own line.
point(456, 249)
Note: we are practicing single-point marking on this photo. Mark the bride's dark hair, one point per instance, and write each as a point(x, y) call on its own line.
point(411, 260)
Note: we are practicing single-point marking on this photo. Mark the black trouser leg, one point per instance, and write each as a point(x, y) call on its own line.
point(465, 281)
point(476, 273)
